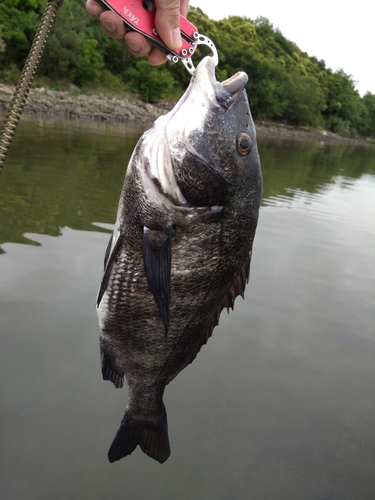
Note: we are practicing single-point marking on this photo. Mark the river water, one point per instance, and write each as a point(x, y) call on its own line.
point(280, 404)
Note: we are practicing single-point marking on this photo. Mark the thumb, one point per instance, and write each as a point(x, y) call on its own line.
point(167, 22)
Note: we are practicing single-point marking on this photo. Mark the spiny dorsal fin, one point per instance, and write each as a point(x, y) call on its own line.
point(237, 288)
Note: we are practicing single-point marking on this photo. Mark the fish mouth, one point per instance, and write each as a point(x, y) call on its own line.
point(222, 93)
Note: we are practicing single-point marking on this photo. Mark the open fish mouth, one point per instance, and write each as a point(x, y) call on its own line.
point(203, 93)
point(205, 82)
point(205, 88)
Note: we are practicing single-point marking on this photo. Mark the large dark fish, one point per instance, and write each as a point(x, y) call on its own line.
point(180, 251)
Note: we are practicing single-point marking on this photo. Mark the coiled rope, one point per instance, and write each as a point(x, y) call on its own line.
point(21, 92)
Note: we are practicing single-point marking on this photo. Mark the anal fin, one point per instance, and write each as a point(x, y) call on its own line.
point(111, 371)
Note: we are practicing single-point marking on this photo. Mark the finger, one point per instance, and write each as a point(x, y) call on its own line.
point(94, 9)
point(156, 57)
point(184, 7)
point(112, 24)
point(137, 44)
point(167, 22)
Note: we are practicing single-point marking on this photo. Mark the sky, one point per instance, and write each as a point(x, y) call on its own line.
point(340, 33)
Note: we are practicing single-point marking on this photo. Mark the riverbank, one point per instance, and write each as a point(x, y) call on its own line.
point(130, 109)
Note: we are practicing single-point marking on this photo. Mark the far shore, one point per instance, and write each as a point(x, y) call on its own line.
point(130, 109)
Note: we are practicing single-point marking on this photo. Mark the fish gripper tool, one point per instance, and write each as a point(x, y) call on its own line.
point(139, 15)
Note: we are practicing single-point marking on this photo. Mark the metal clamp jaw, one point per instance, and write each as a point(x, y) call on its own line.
point(139, 15)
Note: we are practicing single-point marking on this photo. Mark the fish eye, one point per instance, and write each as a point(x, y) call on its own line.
point(244, 144)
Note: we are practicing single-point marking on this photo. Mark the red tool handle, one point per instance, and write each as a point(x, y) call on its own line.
point(139, 16)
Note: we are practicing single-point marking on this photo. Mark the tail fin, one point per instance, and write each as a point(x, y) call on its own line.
point(151, 436)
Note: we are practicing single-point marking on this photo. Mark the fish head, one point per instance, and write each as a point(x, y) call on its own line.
point(204, 151)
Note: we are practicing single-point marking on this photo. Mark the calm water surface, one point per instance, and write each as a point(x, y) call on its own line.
point(281, 402)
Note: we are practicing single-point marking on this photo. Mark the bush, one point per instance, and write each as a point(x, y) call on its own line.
point(338, 125)
point(108, 82)
point(10, 75)
point(2, 43)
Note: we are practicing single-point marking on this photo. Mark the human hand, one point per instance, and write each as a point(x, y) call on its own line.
point(167, 23)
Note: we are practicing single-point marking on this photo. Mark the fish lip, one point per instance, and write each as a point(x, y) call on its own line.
point(235, 83)
point(219, 93)
point(231, 89)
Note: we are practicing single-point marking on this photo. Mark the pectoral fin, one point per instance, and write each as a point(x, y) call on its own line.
point(157, 257)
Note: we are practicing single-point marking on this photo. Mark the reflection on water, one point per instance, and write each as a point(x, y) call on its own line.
point(278, 405)
point(310, 166)
point(60, 174)
point(353, 200)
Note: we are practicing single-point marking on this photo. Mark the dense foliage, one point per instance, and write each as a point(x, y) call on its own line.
point(285, 84)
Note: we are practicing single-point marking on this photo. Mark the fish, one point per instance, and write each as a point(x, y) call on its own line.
point(180, 250)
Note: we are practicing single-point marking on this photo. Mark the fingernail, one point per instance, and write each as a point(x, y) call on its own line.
point(109, 26)
point(176, 38)
point(133, 46)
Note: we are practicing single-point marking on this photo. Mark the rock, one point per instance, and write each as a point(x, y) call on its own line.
point(71, 87)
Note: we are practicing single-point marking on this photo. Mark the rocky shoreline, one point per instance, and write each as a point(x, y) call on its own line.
point(99, 107)
point(130, 109)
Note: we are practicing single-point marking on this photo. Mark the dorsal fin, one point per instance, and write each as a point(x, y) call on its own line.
point(237, 288)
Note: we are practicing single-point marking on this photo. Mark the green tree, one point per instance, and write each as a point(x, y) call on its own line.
point(151, 82)
point(305, 100)
point(344, 105)
point(19, 20)
point(367, 124)
point(73, 51)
